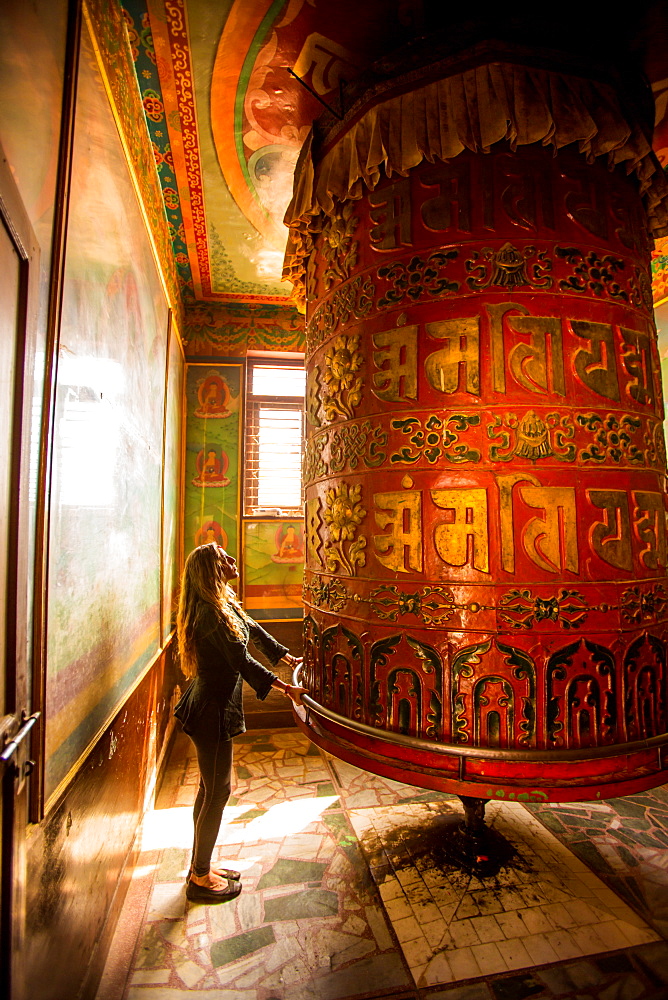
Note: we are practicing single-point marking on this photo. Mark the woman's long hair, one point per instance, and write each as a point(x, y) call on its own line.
point(203, 583)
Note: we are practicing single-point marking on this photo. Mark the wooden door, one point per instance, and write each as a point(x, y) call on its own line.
point(18, 292)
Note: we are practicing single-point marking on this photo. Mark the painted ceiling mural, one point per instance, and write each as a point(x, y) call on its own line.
point(227, 119)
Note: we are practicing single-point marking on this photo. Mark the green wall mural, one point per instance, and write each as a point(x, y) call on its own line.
point(273, 569)
point(105, 529)
point(213, 427)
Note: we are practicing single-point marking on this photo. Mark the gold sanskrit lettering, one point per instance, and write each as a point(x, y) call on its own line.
point(611, 538)
point(442, 368)
point(597, 368)
point(496, 315)
point(453, 201)
point(400, 549)
point(529, 363)
point(397, 378)
point(649, 518)
point(469, 510)
point(391, 212)
point(551, 542)
point(506, 485)
point(327, 61)
point(638, 363)
point(586, 202)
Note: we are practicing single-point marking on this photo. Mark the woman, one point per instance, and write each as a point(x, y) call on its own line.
point(213, 633)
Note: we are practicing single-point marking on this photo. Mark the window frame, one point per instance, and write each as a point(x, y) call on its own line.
point(253, 405)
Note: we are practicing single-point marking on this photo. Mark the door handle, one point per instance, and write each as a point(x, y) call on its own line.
point(13, 745)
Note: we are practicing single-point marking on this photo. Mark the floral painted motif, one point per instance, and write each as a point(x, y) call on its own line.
point(143, 53)
point(343, 515)
point(509, 268)
point(338, 247)
point(343, 386)
point(438, 438)
point(640, 604)
point(522, 609)
point(329, 594)
point(153, 106)
point(531, 436)
point(417, 277)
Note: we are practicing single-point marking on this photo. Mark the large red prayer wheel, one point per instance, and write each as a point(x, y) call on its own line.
point(485, 589)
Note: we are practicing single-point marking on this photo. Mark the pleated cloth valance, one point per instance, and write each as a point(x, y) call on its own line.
point(469, 110)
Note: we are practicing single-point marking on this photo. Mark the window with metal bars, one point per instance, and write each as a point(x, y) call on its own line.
point(274, 438)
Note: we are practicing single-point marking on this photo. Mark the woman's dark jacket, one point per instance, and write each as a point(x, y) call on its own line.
point(223, 664)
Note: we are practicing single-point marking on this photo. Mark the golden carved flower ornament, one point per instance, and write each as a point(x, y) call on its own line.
point(343, 515)
point(343, 386)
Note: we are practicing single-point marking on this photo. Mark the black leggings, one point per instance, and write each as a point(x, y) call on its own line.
point(214, 758)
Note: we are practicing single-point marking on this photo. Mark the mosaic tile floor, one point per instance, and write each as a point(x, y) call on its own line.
point(347, 895)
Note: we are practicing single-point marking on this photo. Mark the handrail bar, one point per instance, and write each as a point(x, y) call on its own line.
point(483, 753)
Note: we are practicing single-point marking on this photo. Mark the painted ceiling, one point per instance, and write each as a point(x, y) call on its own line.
point(227, 118)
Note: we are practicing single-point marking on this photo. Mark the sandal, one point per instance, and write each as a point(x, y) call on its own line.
point(203, 894)
point(228, 873)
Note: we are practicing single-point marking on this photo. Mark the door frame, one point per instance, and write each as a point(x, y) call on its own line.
point(15, 770)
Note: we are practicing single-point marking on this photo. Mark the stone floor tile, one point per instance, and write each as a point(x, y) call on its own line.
point(612, 935)
point(463, 964)
point(511, 924)
point(628, 988)
point(398, 908)
point(536, 920)
point(635, 935)
point(360, 949)
point(489, 958)
point(435, 932)
point(428, 910)
point(468, 907)
point(151, 977)
point(168, 900)
point(463, 933)
point(159, 993)
point(510, 901)
point(581, 912)
point(326, 955)
point(566, 944)
point(558, 915)
point(406, 929)
point(516, 987)
point(588, 939)
point(190, 973)
point(473, 991)
point(487, 928)
point(540, 950)
point(514, 954)
point(417, 952)
point(487, 903)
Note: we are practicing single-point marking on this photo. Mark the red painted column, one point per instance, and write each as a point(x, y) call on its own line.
point(485, 499)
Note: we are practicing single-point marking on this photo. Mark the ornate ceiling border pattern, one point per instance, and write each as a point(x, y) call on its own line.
point(170, 39)
point(168, 19)
point(231, 329)
point(148, 81)
point(111, 43)
point(179, 47)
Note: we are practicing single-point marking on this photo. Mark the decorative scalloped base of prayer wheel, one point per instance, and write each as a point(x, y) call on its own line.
point(485, 588)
